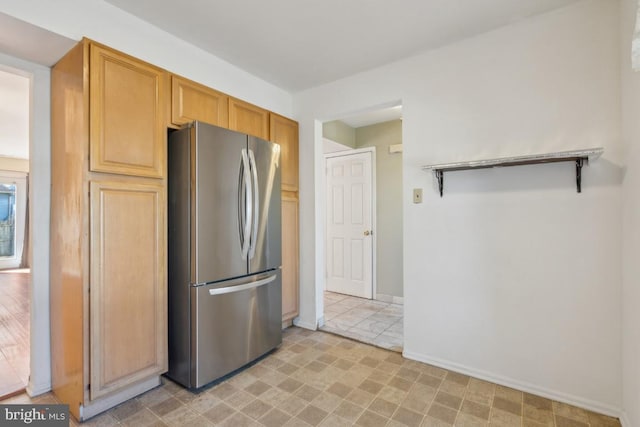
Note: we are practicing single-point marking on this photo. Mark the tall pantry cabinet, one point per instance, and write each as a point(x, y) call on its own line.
point(284, 131)
point(108, 228)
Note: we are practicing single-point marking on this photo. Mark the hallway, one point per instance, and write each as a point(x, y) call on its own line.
point(369, 321)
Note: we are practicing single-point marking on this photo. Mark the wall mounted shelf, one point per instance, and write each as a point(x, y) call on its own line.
point(577, 156)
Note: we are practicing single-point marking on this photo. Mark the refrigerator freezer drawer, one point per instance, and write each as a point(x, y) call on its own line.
point(233, 324)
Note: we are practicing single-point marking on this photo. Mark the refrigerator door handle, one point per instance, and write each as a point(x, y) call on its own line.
point(238, 288)
point(256, 205)
point(248, 212)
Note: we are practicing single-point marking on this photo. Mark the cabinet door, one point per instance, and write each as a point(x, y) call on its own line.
point(248, 118)
point(128, 306)
point(289, 256)
point(285, 132)
point(192, 101)
point(126, 127)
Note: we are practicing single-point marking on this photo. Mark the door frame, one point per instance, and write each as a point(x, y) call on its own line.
point(39, 215)
point(345, 153)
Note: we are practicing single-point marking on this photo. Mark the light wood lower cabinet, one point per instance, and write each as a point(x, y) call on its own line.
point(127, 306)
point(290, 286)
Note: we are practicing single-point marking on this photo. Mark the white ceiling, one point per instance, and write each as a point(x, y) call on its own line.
point(293, 44)
point(298, 44)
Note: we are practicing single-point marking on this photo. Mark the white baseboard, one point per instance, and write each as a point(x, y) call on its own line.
point(304, 324)
point(34, 390)
point(390, 298)
point(624, 419)
point(599, 407)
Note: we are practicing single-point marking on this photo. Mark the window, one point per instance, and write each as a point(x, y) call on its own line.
point(7, 220)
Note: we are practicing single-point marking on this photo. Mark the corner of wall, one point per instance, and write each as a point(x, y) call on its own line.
point(305, 323)
point(630, 134)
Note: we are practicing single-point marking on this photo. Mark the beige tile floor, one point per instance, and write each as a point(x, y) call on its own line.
point(369, 321)
point(316, 378)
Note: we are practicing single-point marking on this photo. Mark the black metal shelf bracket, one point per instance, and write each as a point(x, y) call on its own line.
point(579, 163)
point(440, 177)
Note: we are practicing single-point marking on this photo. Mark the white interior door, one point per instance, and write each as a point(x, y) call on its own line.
point(349, 239)
point(13, 200)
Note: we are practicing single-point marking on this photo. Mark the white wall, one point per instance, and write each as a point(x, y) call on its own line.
point(13, 164)
point(512, 275)
point(631, 222)
point(39, 203)
point(14, 119)
point(388, 226)
point(109, 25)
point(340, 132)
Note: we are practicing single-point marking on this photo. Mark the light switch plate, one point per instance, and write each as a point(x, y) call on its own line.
point(417, 195)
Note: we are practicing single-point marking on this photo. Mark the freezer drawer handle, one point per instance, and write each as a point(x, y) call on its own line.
point(238, 288)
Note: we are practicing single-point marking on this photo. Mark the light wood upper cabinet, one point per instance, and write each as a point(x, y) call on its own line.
point(192, 101)
point(284, 131)
point(248, 118)
point(290, 288)
point(127, 127)
point(127, 299)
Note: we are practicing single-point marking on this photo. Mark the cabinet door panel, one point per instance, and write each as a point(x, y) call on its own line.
point(285, 132)
point(191, 101)
point(289, 256)
point(128, 284)
point(127, 130)
point(248, 118)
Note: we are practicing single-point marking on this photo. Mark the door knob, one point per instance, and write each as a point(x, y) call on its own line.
point(367, 232)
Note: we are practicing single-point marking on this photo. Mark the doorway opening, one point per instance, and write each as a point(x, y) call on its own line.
point(363, 250)
point(15, 277)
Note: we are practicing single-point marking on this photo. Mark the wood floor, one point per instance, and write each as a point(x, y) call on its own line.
point(15, 294)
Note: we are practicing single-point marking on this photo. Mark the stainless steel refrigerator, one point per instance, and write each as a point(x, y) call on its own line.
point(224, 257)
